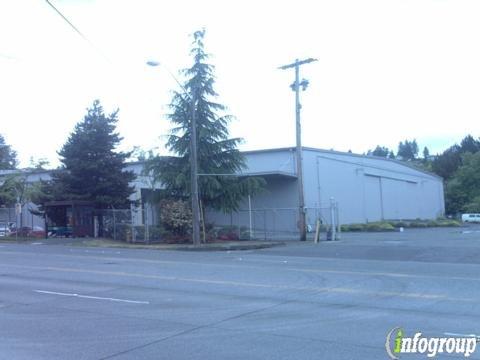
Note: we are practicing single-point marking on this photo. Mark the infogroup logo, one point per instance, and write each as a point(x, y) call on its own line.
point(397, 343)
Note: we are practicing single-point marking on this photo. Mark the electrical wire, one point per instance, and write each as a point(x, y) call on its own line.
point(78, 31)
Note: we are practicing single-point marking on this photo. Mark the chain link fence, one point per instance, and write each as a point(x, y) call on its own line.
point(142, 225)
point(279, 223)
point(136, 226)
point(19, 218)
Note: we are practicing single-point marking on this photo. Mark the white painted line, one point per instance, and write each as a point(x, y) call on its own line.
point(91, 297)
point(37, 243)
point(461, 335)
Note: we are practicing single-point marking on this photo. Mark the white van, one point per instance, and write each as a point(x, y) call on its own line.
point(471, 218)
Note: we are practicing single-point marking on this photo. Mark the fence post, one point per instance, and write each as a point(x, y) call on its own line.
point(265, 223)
point(332, 218)
point(250, 216)
point(339, 226)
point(114, 226)
point(317, 231)
point(146, 230)
point(274, 222)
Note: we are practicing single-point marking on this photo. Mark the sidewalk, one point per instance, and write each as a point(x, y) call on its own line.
point(107, 243)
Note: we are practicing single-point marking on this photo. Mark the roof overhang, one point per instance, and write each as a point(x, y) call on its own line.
point(270, 174)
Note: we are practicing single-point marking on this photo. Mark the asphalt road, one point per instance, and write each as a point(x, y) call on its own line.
point(334, 300)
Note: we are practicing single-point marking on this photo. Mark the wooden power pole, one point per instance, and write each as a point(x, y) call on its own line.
point(296, 87)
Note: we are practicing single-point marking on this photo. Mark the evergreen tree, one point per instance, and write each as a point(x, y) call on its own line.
point(446, 164)
point(408, 150)
point(8, 157)
point(380, 151)
point(91, 168)
point(217, 153)
point(463, 190)
point(469, 144)
point(426, 153)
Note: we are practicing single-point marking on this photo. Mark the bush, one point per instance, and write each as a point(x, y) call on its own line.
point(353, 227)
point(379, 226)
point(176, 216)
point(373, 226)
point(121, 232)
point(392, 225)
point(228, 233)
point(417, 224)
point(448, 223)
point(398, 224)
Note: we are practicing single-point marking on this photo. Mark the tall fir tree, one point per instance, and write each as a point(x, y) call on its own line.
point(408, 150)
point(217, 152)
point(92, 169)
point(380, 151)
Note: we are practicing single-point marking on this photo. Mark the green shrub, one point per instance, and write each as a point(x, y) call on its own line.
point(417, 224)
point(351, 227)
point(448, 223)
point(156, 233)
point(379, 226)
point(373, 226)
point(176, 216)
point(398, 224)
point(123, 232)
point(229, 232)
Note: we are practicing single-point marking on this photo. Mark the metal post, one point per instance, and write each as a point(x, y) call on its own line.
point(274, 213)
point(296, 87)
point(265, 223)
point(250, 216)
point(317, 231)
point(146, 232)
point(339, 226)
point(114, 226)
point(193, 173)
point(332, 218)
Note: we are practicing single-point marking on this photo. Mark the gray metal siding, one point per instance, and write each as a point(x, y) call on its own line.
point(371, 189)
point(373, 198)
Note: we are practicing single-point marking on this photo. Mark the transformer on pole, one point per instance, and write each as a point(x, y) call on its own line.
point(296, 87)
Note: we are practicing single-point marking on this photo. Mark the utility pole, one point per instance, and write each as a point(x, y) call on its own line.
point(194, 173)
point(296, 87)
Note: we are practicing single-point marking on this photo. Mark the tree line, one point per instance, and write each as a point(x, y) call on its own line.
point(458, 165)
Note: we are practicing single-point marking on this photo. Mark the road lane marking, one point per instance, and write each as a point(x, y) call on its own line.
point(91, 297)
point(334, 290)
point(224, 265)
point(460, 335)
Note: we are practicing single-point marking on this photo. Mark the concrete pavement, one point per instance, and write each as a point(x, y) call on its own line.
point(335, 300)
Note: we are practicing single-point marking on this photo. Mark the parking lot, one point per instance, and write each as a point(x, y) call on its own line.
point(334, 300)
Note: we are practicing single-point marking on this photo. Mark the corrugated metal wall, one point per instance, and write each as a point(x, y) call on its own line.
point(371, 189)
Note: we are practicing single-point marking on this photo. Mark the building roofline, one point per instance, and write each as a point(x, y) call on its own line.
point(335, 152)
point(272, 150)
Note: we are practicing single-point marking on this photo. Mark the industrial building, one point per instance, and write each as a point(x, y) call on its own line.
point(366, 188)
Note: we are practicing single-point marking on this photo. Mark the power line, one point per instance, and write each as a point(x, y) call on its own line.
point(78, 31)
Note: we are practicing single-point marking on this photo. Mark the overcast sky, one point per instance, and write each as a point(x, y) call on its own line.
point(388, 69)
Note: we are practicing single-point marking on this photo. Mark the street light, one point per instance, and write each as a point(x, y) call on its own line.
point(193, 157)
